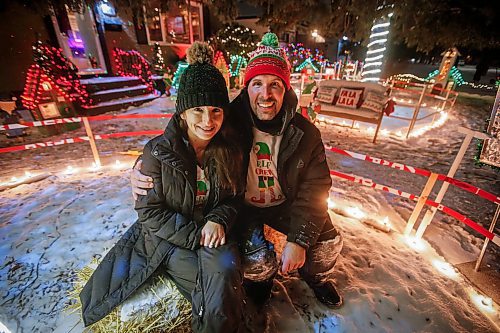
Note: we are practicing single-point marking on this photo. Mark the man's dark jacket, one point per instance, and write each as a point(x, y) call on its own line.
point(165, 221)
point(302, 168)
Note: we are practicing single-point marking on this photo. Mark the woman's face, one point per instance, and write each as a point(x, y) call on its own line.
point(203, 122)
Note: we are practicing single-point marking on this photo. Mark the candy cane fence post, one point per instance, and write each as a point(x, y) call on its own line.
point(429, 215)
point(420, 203)
point(92, 141)
point(487, 240)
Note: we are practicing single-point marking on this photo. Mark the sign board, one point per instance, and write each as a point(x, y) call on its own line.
point(49, 110)
point(490, 154)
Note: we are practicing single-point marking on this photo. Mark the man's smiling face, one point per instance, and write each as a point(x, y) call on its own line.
point(266, 93)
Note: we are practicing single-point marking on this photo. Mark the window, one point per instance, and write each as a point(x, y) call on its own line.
point(177, 26)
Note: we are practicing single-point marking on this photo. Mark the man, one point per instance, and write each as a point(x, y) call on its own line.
point(288, 181)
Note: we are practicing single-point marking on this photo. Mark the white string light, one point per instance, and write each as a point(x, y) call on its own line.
point(377, 48)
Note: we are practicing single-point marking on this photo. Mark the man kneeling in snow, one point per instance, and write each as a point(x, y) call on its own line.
point(287, 182)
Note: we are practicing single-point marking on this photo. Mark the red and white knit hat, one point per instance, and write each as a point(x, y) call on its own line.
point(268, 58)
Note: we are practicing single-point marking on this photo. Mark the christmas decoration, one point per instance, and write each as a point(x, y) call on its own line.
point(376, 49)
point(52, 78)
point(133, 63)
point(237, 62)
point(234, 39)
point(221, 64)
point(297, 54)
point(455, 74)
point(308, 63)
point(177, 75)
point(158, 61)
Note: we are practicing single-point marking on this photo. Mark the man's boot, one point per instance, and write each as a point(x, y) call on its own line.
point(327, 294)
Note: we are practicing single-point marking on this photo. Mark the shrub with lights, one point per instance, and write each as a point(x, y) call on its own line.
point(234, 39)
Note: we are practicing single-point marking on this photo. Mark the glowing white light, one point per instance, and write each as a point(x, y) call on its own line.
point(28, 174)
point(376, 63)
point(377, 34)
point(399, 133)
point(377, 50)
point(445, 268)
point(415, 243)
point(70, 170)
point(95, 167)
point(374, 79)
point(378, 41)
point(380, 56)
point(370, 130)
point(381, 25)
point(13, 179)
point(390, 14)
point(483, 303)
point(386, 222)
point(372, 71)
point(385, 132)
point(345, 37)
point(117, 165)
point(355, 212)
point(331, 203)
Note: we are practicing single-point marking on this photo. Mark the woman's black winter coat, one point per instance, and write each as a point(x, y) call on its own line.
point(165, 220)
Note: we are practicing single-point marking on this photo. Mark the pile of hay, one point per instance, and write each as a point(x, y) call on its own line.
point(153, 308)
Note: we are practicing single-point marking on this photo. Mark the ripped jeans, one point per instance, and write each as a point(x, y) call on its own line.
point(259, 261)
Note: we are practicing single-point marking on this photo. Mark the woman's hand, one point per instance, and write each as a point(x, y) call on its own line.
point(212, 235)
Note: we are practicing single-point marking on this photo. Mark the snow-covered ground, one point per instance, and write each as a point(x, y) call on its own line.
point(50, 228)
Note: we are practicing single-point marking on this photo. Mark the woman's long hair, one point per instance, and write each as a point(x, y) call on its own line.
point(225, 157)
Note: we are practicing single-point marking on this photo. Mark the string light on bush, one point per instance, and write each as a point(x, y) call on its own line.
point(237, 62)
point(177, 75)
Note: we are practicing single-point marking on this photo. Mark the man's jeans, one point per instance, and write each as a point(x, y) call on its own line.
point(259, 259)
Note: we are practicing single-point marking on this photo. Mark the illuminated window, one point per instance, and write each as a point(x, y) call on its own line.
point(177, 26)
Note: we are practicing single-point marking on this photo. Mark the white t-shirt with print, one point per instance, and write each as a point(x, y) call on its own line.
point(202, 189)
point(263, 188)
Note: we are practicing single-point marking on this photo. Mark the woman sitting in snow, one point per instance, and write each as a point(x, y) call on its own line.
point(185, 220)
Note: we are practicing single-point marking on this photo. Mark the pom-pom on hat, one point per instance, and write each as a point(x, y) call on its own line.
point(201, 84)
point(268, 58)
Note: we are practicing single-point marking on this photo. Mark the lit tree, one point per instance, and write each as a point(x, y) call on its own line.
point(234, 39)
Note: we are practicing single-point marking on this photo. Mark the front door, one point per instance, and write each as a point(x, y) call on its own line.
point(77, 35)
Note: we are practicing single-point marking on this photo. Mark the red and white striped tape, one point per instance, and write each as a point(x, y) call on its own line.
point(77, 139)
point(50, 122)
point(368, 182)
point(460, 184)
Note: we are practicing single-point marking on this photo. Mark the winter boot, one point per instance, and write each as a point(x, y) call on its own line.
point(327, 294)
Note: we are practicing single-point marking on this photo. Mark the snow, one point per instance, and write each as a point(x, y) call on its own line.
point(50, 228)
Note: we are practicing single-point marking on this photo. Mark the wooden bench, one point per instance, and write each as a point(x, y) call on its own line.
point(354, 114)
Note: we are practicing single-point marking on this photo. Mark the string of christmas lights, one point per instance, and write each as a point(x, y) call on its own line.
point(376, 49)
point(52, 71)
point(297, 54)
point(177, 75)
point(133, 63)
point(237, 62)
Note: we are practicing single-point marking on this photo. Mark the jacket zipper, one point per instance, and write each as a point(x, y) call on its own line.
point(200, 275)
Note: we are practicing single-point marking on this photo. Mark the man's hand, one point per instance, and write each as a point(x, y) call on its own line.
point(140, 183)
point(293, 257)
point(212, 235)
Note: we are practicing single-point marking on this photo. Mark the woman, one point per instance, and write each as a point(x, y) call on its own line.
point(185, 220)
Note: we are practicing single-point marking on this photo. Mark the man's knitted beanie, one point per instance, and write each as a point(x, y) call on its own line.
point(268, 58)
point(201, 84)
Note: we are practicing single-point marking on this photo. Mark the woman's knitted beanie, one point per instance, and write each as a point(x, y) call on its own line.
point(201, 84)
